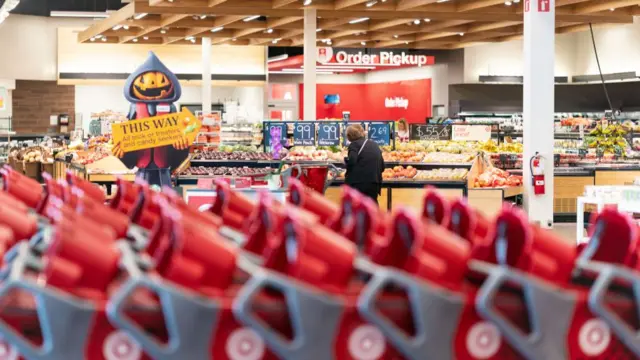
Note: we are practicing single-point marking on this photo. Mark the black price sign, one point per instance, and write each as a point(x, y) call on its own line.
point(328, 134)
point(304, 134)
point(430, 132)
point(380, 133)
point(273, 134)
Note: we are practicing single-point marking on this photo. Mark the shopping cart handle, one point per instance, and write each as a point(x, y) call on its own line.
point(549, 310)
point(436, 314)
point(307, 308)
point(181, 311)
point(608, 273)
point(65, 323)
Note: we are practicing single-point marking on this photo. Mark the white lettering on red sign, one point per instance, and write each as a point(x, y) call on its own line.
point(396, 102)
point(527, 5)
point(543, 6)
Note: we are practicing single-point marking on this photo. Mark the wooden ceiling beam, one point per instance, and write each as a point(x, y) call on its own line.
point(478, 4)
point(115, 19)
point(280, 3)
point(603, 6)
point(410, 4)
point(388, 23)
point(342, 4)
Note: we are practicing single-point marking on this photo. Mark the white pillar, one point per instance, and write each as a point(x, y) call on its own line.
point(206, 75)
point(539, 60)
point(309, 64)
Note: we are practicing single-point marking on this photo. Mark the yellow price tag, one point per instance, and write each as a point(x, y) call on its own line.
point(156, 131)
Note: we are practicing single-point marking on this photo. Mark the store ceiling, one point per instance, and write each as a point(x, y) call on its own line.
point(45, 7)
point(415, 24)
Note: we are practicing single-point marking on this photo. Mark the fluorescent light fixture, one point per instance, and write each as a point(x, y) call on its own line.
point(250, 18)
point(117, 27)
point(140, 16)
point(307, 2)
point(363, 43)
point(104, 39)
point(80, 14)
point(126, 27)
point(163, 31)
point(216, 29)
point(371, 3)
point(145, 38)
point(202, 17)
point(193, 41)
point(278, 58)
point(269, 31)
point(135, 40)
point(355, 21)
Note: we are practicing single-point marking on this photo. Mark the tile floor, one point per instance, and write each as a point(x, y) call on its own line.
point(566, 231)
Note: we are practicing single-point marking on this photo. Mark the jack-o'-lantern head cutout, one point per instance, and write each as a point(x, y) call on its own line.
point(152, 85)
point(152, 82)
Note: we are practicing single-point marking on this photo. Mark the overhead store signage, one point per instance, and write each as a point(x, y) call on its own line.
point(326, 55)
point(380, 133)
point(471, 133)
point(430, 132)
point(304, 134)
point(328, 134)
point(396, 102)
point(156, 131)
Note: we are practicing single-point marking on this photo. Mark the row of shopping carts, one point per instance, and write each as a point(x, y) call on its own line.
point(144, 276)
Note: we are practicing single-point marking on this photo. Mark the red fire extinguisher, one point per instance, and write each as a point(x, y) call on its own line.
point(537, 174)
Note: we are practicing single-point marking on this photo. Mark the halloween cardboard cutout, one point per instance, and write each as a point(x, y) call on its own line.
point(152, 90)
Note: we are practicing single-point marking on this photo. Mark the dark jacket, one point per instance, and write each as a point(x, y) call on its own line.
point(367, 167)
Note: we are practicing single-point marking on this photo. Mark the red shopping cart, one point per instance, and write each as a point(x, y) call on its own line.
point(316, 176)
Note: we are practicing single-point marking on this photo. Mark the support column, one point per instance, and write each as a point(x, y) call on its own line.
point(538, 91)
point(309, 77)
point(206, 75)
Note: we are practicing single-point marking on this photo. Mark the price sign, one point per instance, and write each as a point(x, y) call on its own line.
point(471, 132)
point(379, 133)
point(304, 134)
point(430, 132)
point(283, 132)
point(328, 134)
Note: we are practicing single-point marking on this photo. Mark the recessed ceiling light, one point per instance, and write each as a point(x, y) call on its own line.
point(193, 41)
point(135, 40)
point(461, 34)
point(371, 3)
point(269, 31)
point(202, 17)
point(126, 27)
point(92, 39)
point(406, 42)
point(612, 9)
point(140, 16)
point(395, 36)
point(145, 38)
point(427, 20)
point(307, 2)
point(253, 17)
point(363, 43)
point(163, 31)
point(508, 3)
point(355, 21)
point(216, 29)
point(416, 21)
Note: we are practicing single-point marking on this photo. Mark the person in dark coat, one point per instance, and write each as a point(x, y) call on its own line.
point(364, 163)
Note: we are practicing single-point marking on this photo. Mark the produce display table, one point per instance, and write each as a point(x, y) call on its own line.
point(403, 192)
point(489, 201)
point(104, 179)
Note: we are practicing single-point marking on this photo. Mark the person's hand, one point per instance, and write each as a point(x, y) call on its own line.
point(117, 151)
point(181, 144)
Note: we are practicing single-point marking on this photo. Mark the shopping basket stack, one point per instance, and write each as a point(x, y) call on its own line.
point(144, 276)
